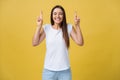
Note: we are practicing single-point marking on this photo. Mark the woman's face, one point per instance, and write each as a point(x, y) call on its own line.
point(57, 16)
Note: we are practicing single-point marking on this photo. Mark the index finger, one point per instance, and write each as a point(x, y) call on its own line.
point(41, 14)
point(75, 14)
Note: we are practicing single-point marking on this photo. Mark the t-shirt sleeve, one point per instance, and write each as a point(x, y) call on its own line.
point(46, 28)
point(69, 27)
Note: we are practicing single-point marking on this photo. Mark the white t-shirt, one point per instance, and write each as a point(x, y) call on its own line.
point(56, 58)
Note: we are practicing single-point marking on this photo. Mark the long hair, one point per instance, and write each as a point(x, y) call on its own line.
point(63, 24)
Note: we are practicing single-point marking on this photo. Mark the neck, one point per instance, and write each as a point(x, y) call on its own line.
point(56, 26)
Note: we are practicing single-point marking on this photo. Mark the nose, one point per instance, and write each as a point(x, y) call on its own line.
point(57, 15)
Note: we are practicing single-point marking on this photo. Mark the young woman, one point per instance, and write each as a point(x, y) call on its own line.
point(57, 34)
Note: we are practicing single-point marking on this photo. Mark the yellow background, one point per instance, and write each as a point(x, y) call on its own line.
point(98, 59)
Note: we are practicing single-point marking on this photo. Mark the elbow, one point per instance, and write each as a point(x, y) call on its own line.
point(80, 43)
point(34, 44)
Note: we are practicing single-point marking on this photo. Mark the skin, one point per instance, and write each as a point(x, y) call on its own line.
point(57, 18)
point(75, 34)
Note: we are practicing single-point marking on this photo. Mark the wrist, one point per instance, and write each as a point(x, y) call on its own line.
point(39, 25)
point(77, 25)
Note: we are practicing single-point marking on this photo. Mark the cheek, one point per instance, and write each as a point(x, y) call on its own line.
point(61, 17)
point(53, 16)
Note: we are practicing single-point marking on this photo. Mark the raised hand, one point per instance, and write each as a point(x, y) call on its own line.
point(76, 19)
point(40, 19)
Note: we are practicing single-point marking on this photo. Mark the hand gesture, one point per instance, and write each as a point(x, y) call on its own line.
point(40, 19)
point(76, 19)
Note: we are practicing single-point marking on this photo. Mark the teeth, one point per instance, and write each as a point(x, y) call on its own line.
point(57, 19)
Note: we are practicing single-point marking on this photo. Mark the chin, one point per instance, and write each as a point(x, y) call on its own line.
point(58, 22)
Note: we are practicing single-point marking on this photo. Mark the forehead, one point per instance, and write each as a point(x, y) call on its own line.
point(57, 10)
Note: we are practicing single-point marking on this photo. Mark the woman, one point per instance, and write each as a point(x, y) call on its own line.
point(56, 65)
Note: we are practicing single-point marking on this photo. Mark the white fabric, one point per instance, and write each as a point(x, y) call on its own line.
point(56, 58)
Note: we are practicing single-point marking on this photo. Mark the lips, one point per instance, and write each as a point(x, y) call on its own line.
point(57, 19)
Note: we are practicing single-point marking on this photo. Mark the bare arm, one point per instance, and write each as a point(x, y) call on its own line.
point(38, 37)
point(76, 33)
point(39, 34)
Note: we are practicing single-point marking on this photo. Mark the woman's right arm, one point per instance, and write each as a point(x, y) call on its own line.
point(38, 37)
point(39, 34)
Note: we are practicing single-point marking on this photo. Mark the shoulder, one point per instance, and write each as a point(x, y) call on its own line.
point(46, 26)
point(69, 27)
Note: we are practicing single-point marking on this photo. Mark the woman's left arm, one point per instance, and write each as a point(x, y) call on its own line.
point(76, 33)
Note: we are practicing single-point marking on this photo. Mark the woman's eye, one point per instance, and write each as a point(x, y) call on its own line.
point(54, 13)
point(57, 13)
point(60, 13)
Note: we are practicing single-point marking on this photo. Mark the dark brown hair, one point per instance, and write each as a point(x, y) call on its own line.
point(63, 24)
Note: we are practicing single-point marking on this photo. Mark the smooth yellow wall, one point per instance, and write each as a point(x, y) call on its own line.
point(98, 59)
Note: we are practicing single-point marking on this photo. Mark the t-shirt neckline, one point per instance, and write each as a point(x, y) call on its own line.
point(55, 29)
